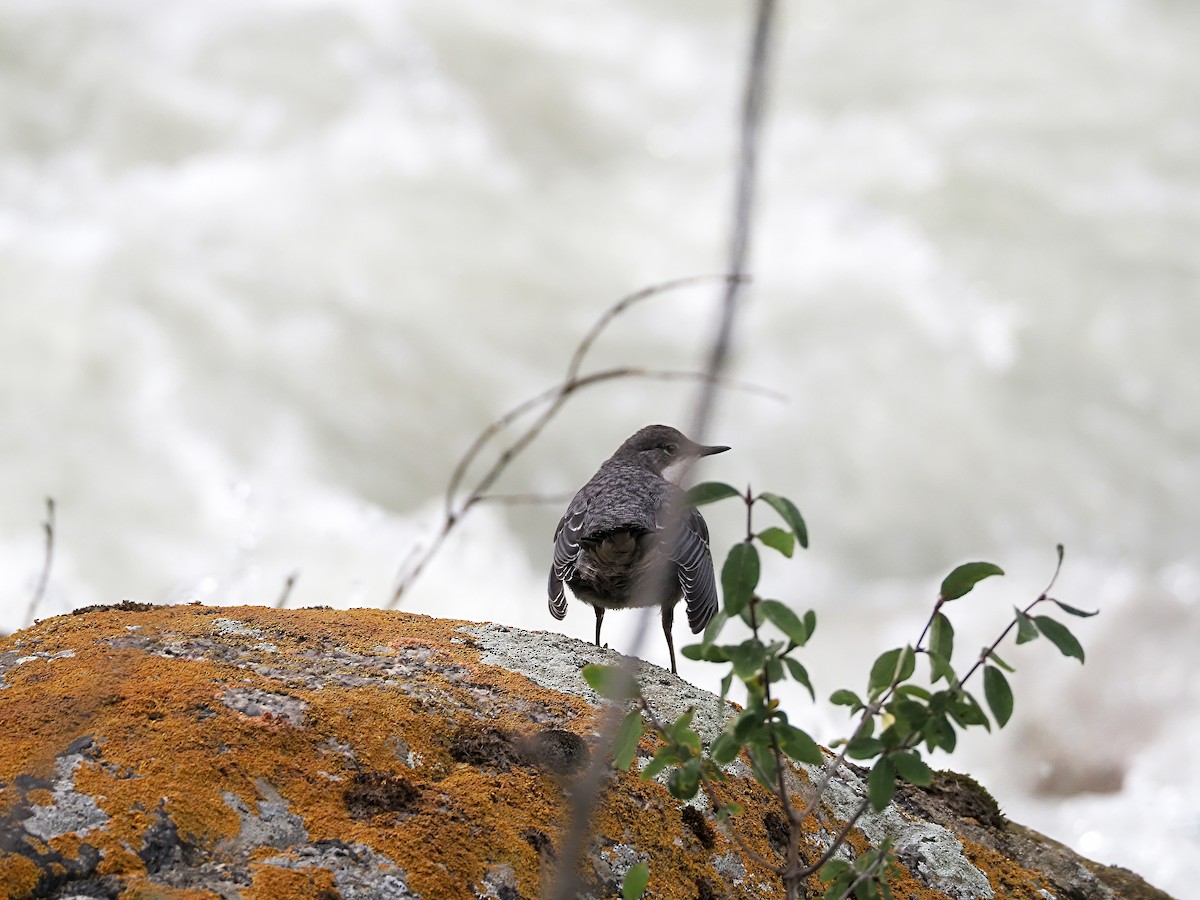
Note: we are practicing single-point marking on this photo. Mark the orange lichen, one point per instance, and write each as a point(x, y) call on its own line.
point(272, 883)
point(19, 875)
point(1007, 878)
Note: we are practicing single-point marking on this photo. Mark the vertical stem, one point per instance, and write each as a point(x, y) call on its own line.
point(739, 246)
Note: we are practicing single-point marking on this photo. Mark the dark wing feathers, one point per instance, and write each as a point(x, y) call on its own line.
point(566, 550)
point(696, 576)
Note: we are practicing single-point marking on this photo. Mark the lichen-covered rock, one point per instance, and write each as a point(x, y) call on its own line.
point(195, 752)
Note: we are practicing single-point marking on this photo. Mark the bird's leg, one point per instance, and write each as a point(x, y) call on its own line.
point(668, 619)
point(599, 619)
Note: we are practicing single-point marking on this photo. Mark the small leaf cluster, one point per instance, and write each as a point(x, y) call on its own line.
point(864, 879)
point(899, 716)
point(762, 728)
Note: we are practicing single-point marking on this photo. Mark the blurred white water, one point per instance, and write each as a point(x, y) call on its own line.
point(267, 267)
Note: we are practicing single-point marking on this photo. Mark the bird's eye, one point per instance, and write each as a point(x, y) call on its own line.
point(671, 448)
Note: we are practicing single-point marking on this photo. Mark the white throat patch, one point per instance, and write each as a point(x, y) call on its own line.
point(675, 471)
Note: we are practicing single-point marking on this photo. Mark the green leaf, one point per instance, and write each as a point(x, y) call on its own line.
point(747, 723)
point(790, 515)
point(881, 783)
point(739, 576)
point(800, 674)
point(965, 577)
point(1074, 611)
point(940, 733)
point(724, 749)
point(684, 782)
point(891, 667)
point(1060, 636)
point(636, 880)
point(748, 658)
point(941, 637)
point(626, 742)
point(798, 744)
point(864, 748)
point(1026, 630)
point(940, 668)
point(762, 764)
point(713, 631)
point(778, 539)
point(843, 697)
point(998, 693)
point(810, 623)
point(664, 757)
point(995, 657)
point(912, 768)
point(680, 728)
point(782, 617)
point(910, 715)
point(726, 683)
point(711, 492)
point(611, 682)
point(966, 711)
point(835, 868)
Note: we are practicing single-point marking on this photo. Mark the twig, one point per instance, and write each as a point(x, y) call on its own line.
point(44, 579)
point(523, 499)
point(557, 394)
point(288, 584)
point(739, 245)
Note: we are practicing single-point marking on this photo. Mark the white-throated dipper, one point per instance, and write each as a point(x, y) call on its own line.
point(628, 538)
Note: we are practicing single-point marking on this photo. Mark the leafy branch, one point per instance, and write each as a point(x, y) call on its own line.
point(895, 716)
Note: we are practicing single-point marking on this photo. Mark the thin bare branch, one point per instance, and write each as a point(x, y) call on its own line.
point(288, 584)
point(523, 499)
point(43, 581)
point(753, 101)
point(560, 391)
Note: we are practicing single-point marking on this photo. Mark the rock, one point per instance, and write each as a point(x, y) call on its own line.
point(195, 752)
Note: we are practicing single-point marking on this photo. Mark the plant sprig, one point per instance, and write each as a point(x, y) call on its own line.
point(896, 718)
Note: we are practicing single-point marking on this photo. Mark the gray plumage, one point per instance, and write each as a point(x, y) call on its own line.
point(620, 531)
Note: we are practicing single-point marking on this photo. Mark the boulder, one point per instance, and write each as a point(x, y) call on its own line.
point(202, 752)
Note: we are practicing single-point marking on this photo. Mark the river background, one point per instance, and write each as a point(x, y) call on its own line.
point(267, 267)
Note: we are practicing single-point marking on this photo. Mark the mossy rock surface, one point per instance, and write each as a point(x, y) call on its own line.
point(201, 752)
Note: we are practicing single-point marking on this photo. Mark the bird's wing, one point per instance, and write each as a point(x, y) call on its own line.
point(696, 578)
point(566, 551)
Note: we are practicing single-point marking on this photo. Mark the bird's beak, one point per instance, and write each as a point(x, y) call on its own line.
point(709, 451)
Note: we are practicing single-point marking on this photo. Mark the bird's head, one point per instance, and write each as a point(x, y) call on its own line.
point(665, 451)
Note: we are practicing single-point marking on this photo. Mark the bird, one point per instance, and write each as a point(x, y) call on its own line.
point(628, 538)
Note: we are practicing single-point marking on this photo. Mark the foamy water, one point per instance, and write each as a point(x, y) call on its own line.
point(266, 268)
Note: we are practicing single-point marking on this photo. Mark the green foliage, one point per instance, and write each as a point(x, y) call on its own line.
point(965, 577)
point(898, 718)
point(711, 492)
point(999, 694)
point(1026, 630)
point(610, 682)
point(866, 878)
point(778, 539)
point(626, 743)
point(636, 880)
point(790, 515)
point(739, 577)
point(1058, 634)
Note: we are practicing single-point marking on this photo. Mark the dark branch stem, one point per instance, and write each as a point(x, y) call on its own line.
point(44, 579)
